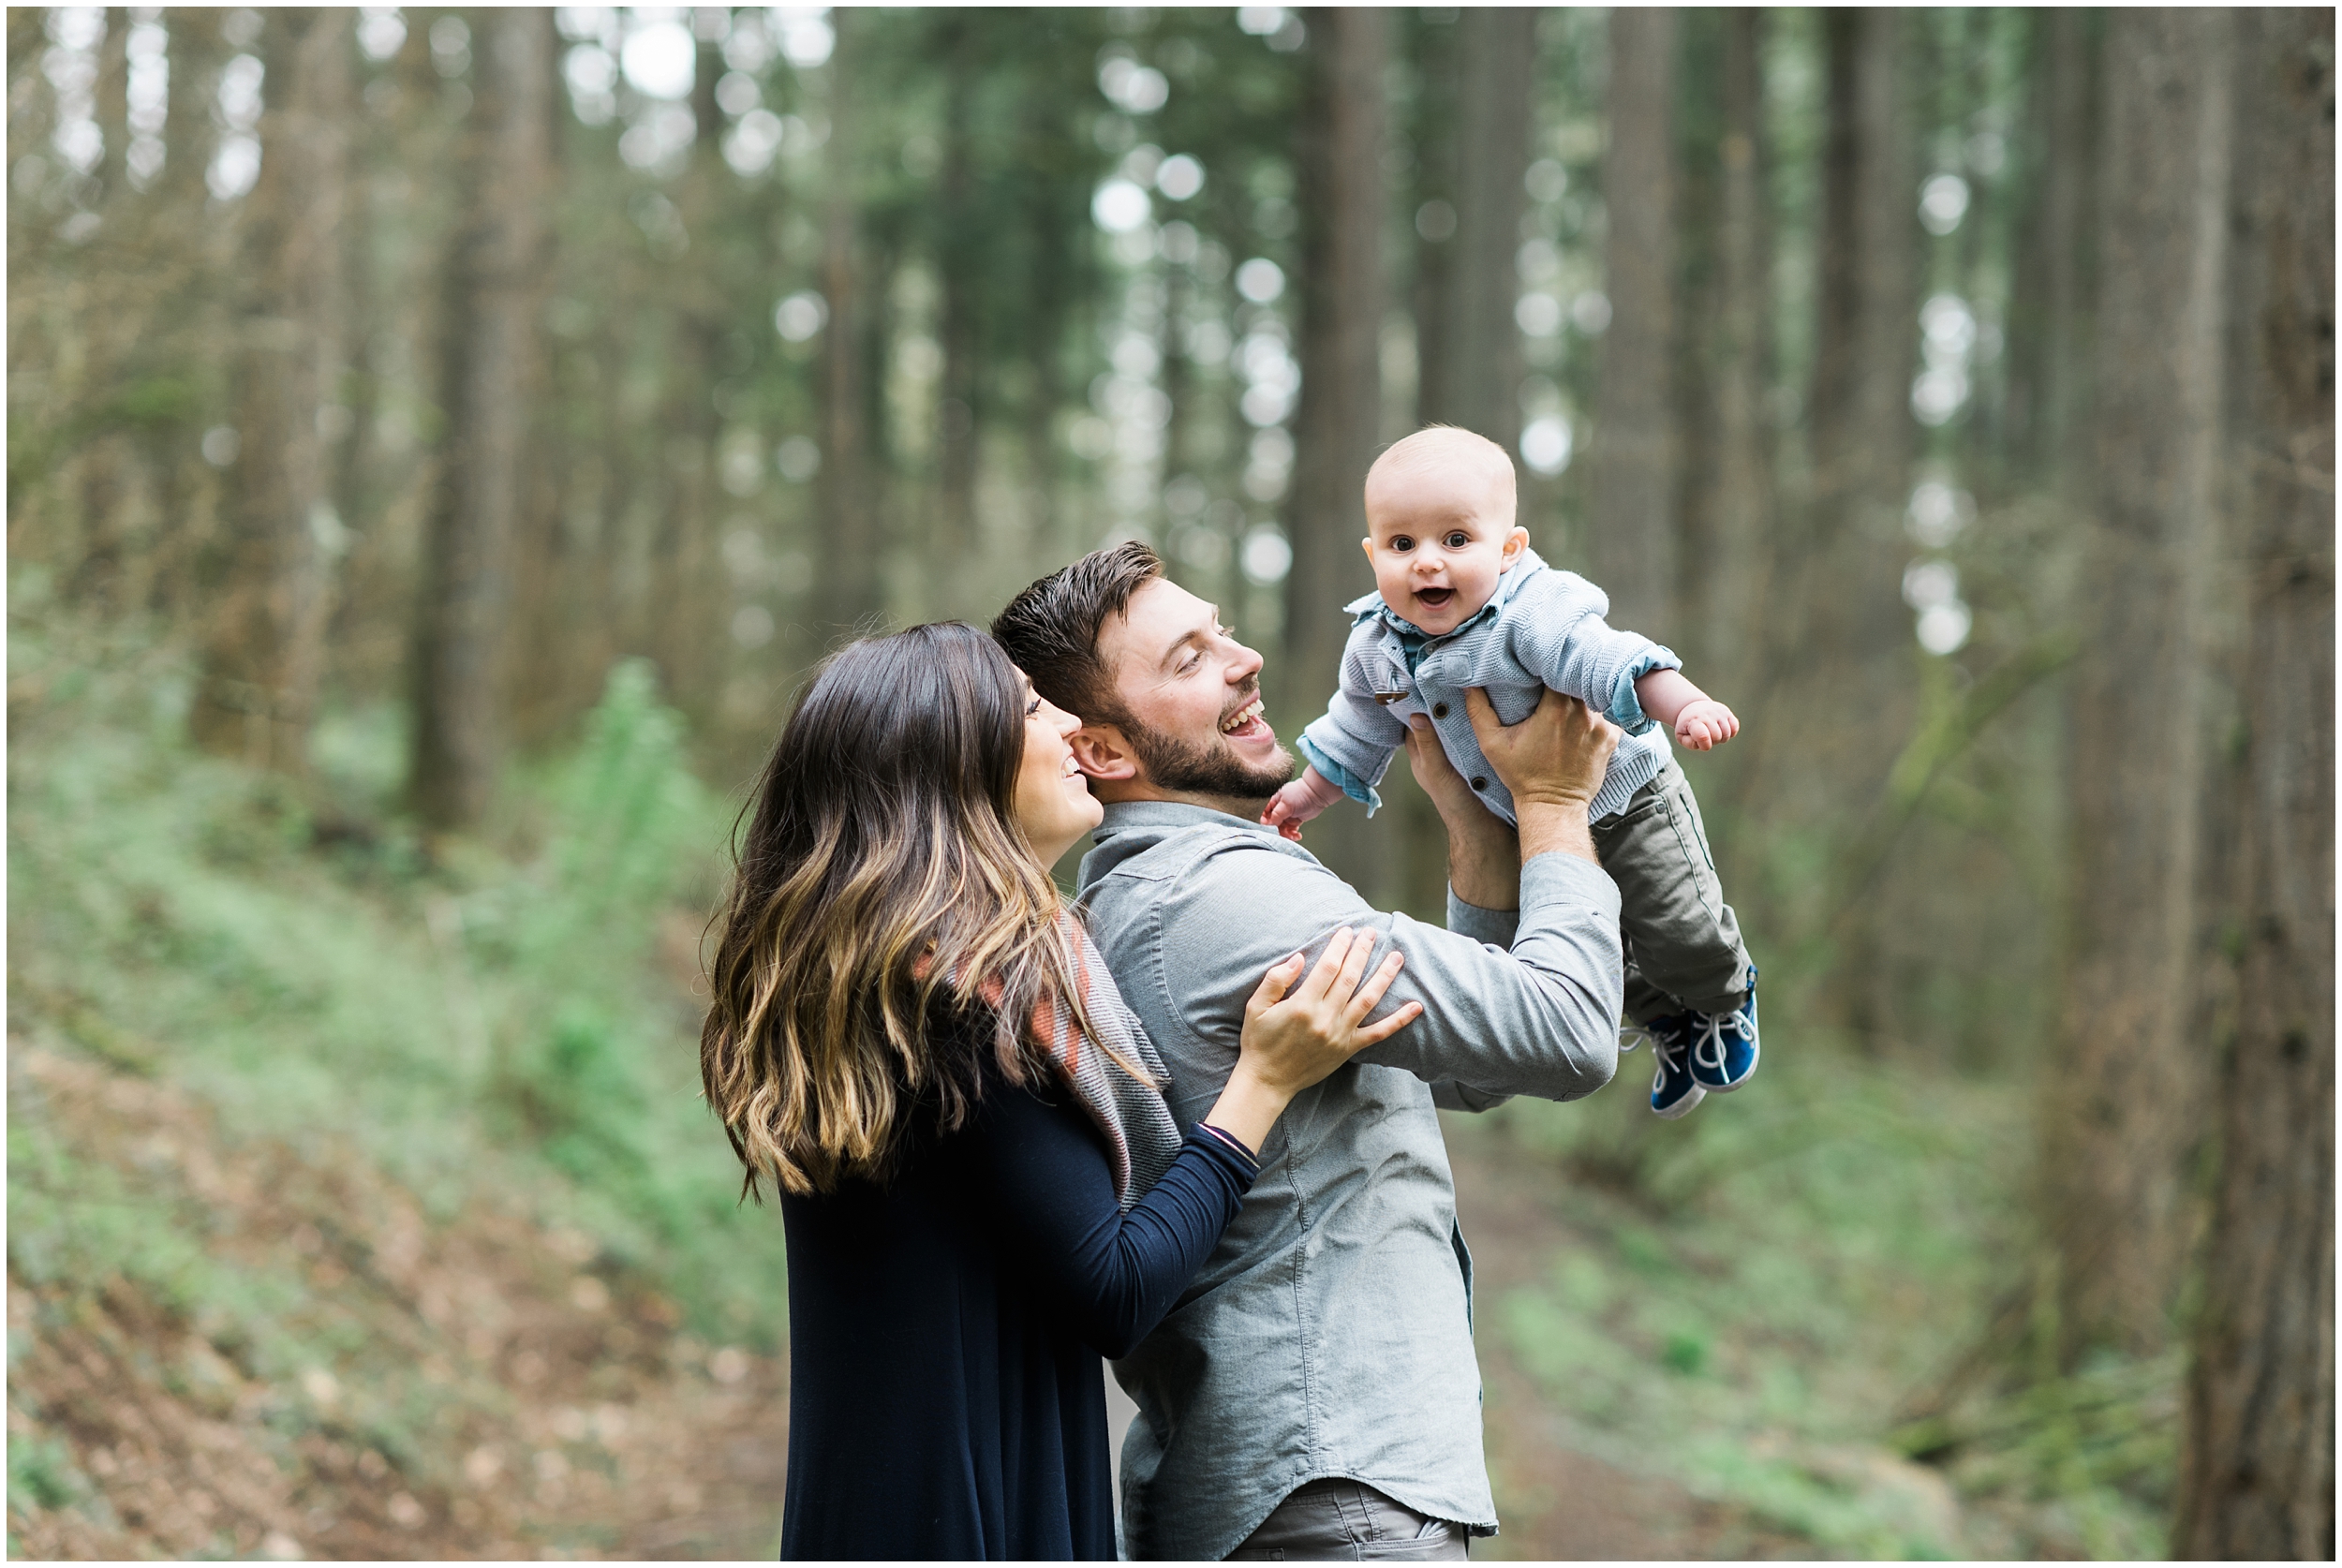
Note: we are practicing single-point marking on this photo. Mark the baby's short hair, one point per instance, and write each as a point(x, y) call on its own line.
point(1441, 447)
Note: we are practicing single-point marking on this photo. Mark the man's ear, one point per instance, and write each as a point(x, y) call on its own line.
point(1515, 542)
point(1101, 752)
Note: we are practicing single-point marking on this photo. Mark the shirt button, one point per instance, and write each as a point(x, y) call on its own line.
point(1439, 710)
point(1478, 782)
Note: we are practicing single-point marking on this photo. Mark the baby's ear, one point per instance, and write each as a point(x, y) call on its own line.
point(1367, 544)
point(1515, 542)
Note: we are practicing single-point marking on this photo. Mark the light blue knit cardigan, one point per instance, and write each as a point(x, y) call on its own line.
point(1541, 628)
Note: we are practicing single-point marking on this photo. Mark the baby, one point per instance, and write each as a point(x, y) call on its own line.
point(1463, 601)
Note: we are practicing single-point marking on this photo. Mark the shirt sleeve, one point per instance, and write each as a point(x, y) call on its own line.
point(1583, 655)
point(1353, 742)
point(1111, 1275)
point(1530, 1011)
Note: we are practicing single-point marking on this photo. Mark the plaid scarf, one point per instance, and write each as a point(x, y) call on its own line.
point(1142, 1140)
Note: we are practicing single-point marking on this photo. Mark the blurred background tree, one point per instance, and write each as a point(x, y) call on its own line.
point(1952, 387)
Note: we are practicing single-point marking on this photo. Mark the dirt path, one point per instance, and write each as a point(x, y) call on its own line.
point(502, 1391)
point(1558, 1501)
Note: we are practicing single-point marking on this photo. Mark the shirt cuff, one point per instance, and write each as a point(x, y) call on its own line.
point(1625, 709)
point(1334, 773)
point(1227, 1142)
point(1557, 877)
point(1496, 928)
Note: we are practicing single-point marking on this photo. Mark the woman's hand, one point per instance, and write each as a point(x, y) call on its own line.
point(1296, 1035)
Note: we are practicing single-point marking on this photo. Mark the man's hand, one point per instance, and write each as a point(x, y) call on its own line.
point(1552, 762)
point(1705, 724)
point(1483, 854)
point(1554, 757)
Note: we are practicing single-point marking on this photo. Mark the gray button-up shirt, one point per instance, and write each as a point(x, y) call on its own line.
point(1331, 1331)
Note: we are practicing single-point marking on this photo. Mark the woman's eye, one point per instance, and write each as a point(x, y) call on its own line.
point(1034, 707)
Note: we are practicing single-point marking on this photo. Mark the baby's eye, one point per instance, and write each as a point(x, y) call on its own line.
point(1400, 545)
point(1458, 540)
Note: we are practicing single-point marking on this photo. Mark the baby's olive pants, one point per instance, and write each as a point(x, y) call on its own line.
point(1683, 947)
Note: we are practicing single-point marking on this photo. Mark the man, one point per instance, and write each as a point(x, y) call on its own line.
point(1315, 1394)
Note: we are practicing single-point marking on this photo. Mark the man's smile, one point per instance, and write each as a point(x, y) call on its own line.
point(1246, 722)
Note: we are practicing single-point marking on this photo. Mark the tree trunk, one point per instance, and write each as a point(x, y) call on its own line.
point(2257, 1472)
point(265, 651)
point(1856, 641)
point(1336, 428)
point(1730, 581)
point(844, 510)
point(1479, 384)
point(1633, 534)
point(2046, 305)
point(2125, 1082)
point(956, 414)
point(490, 373)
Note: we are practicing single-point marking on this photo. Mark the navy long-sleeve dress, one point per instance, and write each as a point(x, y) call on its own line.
point(946, 1398)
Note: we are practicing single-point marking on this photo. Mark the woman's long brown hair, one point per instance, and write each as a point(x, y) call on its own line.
point(883, 891)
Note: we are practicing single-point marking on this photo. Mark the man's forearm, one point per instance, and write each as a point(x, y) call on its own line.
point(1548, 826)
point(1484, 863)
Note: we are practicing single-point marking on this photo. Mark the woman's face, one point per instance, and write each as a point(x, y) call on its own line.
point(1054, 805)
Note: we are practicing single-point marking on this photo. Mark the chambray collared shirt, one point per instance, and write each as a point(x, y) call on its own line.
point(1330, 1334)
point(1541, 628)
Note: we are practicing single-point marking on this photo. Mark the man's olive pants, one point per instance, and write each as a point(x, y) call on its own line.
point(1340, 1520)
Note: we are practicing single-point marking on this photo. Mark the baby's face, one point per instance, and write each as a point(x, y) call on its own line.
point(1439, 541)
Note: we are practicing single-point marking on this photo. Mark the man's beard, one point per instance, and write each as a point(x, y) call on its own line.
point(1185, 768)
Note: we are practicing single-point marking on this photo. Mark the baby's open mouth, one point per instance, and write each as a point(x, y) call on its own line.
point(1435, 598)
point(1245, 723)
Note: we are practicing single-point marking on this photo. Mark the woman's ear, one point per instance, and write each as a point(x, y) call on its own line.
point(1101, 752)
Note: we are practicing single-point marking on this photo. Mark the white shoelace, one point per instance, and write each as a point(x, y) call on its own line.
point(1708, 1043)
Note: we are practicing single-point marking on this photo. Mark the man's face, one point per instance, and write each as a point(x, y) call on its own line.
point(1192, 695)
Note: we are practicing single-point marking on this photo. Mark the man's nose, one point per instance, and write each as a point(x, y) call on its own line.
point(1244, 666)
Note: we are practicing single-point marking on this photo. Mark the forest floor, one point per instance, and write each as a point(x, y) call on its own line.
point(572, 1417)
point(361, 1205)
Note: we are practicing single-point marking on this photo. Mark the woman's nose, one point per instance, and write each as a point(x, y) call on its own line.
point(1066, 723)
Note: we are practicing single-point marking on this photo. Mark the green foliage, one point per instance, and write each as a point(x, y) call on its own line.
point(41, 1474)
point(1761, 1285)
point(487, 1025)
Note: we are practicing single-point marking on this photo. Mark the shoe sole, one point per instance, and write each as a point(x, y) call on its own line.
point(1728, 1089)
point(1682, 1107)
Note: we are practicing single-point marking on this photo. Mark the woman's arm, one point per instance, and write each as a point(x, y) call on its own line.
point(1115, 1275)
point(1110, 1275)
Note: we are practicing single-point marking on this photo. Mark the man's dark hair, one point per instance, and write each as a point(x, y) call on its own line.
point(1051, 629)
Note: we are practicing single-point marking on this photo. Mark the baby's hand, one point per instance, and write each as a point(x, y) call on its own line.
point(1705, 724)
point(1292, 806)
point(1299, 800)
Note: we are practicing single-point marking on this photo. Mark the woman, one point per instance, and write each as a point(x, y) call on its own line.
point(983, 1186)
